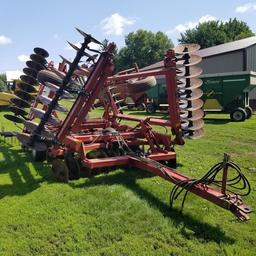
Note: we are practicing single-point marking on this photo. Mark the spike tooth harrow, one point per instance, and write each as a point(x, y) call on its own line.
point(116, 143)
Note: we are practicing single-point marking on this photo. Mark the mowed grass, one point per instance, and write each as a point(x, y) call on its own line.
point(125, 212)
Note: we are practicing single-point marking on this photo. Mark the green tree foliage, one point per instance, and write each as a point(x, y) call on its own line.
point(142, 47)
point(2, 82)
point(212, 33)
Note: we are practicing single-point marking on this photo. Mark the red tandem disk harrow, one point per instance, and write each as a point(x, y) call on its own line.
point(77, 143)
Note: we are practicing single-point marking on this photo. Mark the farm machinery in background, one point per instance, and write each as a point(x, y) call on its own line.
point(76, 143)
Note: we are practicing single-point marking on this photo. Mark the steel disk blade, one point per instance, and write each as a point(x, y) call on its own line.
point(35, 65)
point(46, 101)
point(32, 126)
point(190, 61)
point(20, 103)
point(14, 119)
point(48, 76)
point(25, 139)
point(40, 114)
point(30, 72)
point(194, 134)
point(41, 51)
point(190, 94)
point(18, 111)
point(28, 79)
point(186, 48)
point(189, 72)
point(38, 58)
point(192, 115)
point(189, 83)
point(193, 125)
point(191, 105)
point(24, 95)
point(26, 87)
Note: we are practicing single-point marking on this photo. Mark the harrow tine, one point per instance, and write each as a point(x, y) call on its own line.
point(18, 111)
point(26, 87)
point(24, 95)
point(40, 114)
point(28, 79)
point(88, 35)
point(30, 72)
point(32, 126)
point(25, 140)
point(35, 65)
point(54, 88)
point(14, 119)
point(186, 48)
point(42, 52)
point(47, 101)
point(119, 101)
point(20, 102)
point(38, 58)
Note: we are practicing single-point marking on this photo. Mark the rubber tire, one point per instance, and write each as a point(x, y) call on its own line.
point(141, 107)
point(151, 108)
point(249, 112)
point(49, 76)
point(238, 115)
point(39, 156)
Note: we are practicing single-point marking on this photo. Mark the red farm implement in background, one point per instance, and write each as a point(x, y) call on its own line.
point(77, 143)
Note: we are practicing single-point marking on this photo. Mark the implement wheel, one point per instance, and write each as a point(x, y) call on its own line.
point(151, 108)
point(238, 115)
point(60, 170)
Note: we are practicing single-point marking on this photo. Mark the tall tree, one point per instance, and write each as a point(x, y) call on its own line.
point(212, 33)
point(2, 82)
point(142, 47)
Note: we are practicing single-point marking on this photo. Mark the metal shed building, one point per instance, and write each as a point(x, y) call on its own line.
point(235, 56)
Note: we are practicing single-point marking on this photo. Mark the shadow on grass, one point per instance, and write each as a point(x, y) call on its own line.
point(128, 179)
point(16, 163)
point(216, 120)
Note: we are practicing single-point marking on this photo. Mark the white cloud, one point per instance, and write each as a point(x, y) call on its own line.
point(181, 28)
point(23, 57)
point(5, 40)
point(114, 24)
point(246, 7)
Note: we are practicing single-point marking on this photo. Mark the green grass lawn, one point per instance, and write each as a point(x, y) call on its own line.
point(125, 212)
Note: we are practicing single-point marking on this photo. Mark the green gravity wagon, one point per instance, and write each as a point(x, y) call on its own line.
point(233, 93)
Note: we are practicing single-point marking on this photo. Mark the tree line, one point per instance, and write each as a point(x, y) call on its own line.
point(145, 47)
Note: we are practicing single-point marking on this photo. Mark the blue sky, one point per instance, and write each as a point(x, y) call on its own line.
point(27, 24)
